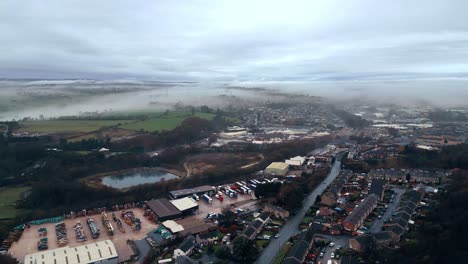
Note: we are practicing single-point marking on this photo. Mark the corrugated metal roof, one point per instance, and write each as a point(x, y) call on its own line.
point(184, 203)
point(88, 253)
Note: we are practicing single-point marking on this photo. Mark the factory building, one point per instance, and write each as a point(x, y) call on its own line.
point(102, 252)
point(277, 168)
point(186, 205)
point(189, 192)
point(163, 209)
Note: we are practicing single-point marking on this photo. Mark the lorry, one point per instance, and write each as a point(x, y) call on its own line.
point(207, 199)
point(231, 194)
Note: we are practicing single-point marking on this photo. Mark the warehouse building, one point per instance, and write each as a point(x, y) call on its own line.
point(189, 192)
point(164, 209)
point(296, 161)
point(277, 168)
point(102, 252)
point(186, 205)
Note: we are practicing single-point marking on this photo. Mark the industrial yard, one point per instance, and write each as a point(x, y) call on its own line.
point(245, 202)
point(28, 242)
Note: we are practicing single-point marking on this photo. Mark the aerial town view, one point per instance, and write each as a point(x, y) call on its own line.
point(285, 132)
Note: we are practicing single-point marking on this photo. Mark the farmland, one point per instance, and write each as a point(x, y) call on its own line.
point(8, 198)
point(135, 122)
point(168, 122)
point(60, 126)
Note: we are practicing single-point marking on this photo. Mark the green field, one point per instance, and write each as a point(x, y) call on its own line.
point(169, 122)
point(57, 126)
point(157, 121)
point(8, 198)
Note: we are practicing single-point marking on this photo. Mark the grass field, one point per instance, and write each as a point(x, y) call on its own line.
point(169, 122)
point(8, 198)
point(155, 122)
point(57, 126)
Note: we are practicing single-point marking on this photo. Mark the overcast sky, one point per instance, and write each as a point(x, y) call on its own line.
point(311, 40)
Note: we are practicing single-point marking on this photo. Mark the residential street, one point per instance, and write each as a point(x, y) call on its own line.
point(291, 227)
point(378, 223)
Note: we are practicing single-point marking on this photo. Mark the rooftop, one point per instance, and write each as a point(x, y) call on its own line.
point(278, 166)
point(88, 253)
point(162, 207)
point(382, 236)
point(397, 230)
point(257, 224)
point(187, 244)
point(298, 251)
point(186, 192)
point(173, 226)
point(377, 187)
point(184, 204)
point(365, 239)
point(361, 211)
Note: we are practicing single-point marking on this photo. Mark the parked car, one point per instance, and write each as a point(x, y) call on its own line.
point(332, 244)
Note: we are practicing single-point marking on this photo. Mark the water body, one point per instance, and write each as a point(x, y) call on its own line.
point(131, 179)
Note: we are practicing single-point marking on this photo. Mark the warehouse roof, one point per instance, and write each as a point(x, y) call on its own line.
point(89, 253)
point(278, 166)
point(184, 203)
point(186, 192)
point(162, 207)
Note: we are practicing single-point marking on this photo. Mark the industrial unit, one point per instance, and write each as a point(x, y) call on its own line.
point(277, 168)
point(102, 252)
point(186, 205)
point(163, 209)
point(189, 192)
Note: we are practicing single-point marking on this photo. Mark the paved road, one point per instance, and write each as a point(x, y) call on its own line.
point(378, 223)
point(341, 241)
point(290, 228)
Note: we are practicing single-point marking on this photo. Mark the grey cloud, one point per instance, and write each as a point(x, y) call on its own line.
point(234, 40)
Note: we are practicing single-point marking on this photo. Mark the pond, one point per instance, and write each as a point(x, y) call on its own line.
point(134, 178)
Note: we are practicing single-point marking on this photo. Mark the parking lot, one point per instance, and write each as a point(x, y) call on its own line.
point(338, 241)
point(243, 201)
point(28, 241)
